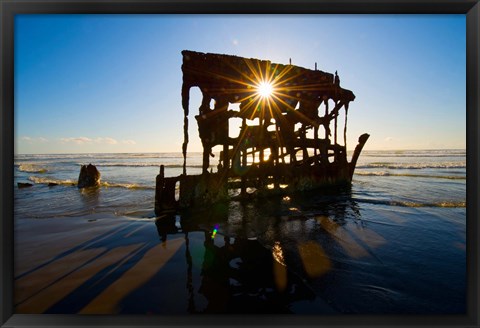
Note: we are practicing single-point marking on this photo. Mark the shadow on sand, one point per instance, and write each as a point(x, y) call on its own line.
point(232, 258)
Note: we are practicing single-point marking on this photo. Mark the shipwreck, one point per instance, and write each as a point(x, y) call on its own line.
point(288, 134)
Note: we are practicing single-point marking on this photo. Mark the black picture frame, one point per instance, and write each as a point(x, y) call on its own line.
point(10, 8)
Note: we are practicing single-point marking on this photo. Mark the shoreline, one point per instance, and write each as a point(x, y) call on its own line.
point(396, 240)
point(94, 266)
point(107, 264)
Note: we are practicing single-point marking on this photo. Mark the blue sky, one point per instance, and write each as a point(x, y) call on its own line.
point(111, 83)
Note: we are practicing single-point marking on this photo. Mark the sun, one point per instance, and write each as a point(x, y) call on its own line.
point(265, 89)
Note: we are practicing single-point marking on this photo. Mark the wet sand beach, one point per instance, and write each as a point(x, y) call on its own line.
point(123, 266)
point(393, 243)
point(302, 263)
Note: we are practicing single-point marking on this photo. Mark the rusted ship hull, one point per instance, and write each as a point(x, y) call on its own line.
point(278, 148)
point(200, 191)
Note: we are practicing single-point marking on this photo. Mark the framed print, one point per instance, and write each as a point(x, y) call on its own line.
point(217, 163)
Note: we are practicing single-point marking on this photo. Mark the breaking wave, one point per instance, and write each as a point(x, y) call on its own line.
point(145, 165)
point(416, 153)
point(449, 165)
point(412, 204)
point(459, 155)
point(125, 185)
point(384, 173)
point(31, 168)
point(45, 180)
point(105, 184)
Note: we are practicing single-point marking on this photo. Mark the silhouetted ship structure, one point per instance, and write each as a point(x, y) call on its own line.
point(283, 109)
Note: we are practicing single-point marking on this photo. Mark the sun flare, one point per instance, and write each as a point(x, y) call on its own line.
point(265, 89)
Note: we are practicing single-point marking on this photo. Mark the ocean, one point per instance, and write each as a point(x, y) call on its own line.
point(395, 242)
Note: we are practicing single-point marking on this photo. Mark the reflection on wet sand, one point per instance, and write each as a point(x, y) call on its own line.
point(210, 262)
point(314, 259)
point(238, 275)
point(343, 237)
point(253, 269)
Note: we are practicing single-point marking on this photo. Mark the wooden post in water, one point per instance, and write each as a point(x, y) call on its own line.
point(244, 147)
point(345, 128)
point(327, 121)
point(262, 140)
point(303, 133)
point(206, 158)
point(335, 127)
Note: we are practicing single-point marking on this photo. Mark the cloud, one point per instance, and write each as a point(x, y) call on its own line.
point(31, 140)
point(98, 140)
point(78, 141)
point(106, 140)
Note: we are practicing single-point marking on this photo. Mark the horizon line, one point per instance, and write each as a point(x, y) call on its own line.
point(166, 152)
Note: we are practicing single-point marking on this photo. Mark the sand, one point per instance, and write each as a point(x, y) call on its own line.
point(60, 256)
